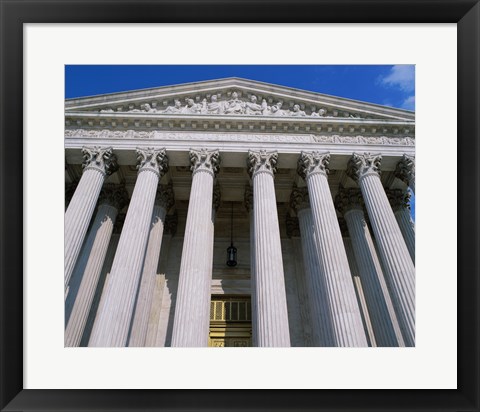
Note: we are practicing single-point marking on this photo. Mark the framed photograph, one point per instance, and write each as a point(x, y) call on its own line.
point(50, 363)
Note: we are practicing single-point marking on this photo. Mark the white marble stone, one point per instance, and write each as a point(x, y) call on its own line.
point(163, 202)
point(318, 300)
point(301, 286)
point(380, 306)
point(98, 164)
point(112, 199)
point(398, 267)
point(115, 313)
point(345, 313)
point(400, 202)
point(192, 309)
point(406, 171)
point(271, 320)
point(367, 323)
point(107, 266)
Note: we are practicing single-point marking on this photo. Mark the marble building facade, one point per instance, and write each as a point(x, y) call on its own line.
point(312, 190)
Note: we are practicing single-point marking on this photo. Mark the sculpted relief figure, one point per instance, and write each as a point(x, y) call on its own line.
point(174, 109)
point(214, 107)
point(253, 108)
point(144, 108)
point(235, 105)
point(191, 107)
point(276, 110)
point(321, 113)
point(149, 109)
point(296, 111)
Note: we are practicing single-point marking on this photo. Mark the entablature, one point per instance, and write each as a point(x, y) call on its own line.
point(235, 146)
point(147, 123)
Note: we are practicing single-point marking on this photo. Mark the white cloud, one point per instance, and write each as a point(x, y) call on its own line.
point(400, 76)
point(409, 103)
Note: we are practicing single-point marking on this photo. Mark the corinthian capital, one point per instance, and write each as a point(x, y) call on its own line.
point(299, 198)
point(363, 165)
point(398, 199)
point(405, 170)
point(153, 160)
point(165, 196)
point(114, 195)
point(262, 161)
point(204, 160)
point(311, 163)
point(99, 158)
point(348, 199)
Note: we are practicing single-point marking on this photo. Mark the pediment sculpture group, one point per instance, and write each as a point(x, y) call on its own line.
point(232, 106)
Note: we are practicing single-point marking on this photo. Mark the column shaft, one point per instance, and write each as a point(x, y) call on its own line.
point(380, 307)
point(138, 333)
point(192, 309)
point(101, 233)
point(98, 163)
point(367, 324)
point(271, 320)
point(321, 316)
point(398, 265)
point(346, 317)
point(107, 266)
point(114, 316)
point(407, 228)
point(78, 215)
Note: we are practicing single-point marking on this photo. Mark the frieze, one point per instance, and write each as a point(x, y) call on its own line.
point(235, 137)
point(377, 140)
point(233, 105)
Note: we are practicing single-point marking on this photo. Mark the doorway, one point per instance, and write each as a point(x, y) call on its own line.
point(230, 322)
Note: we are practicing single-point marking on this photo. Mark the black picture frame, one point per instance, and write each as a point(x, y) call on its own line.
point(14, 13)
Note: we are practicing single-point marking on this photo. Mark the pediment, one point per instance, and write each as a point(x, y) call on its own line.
point(233, 97)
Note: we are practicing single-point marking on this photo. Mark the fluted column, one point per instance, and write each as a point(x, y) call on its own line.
point(112, 199)
point(116, 308)
point(98, 163)
point(398, 266)
point(155, 327)
point(379, 303)
point(400, 202)
point(405, 171)
point(107, 266)
point(367, 324)
point(164, 200)
point(192, 309)
point(271, 320)
point(318, 300)
point(292, 227)
point(346, 317)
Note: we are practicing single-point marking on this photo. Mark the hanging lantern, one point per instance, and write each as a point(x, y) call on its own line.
point(231, 255)
point(231, 250)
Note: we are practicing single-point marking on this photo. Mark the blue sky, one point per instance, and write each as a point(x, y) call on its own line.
point(387, 85)
point(381, 84)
